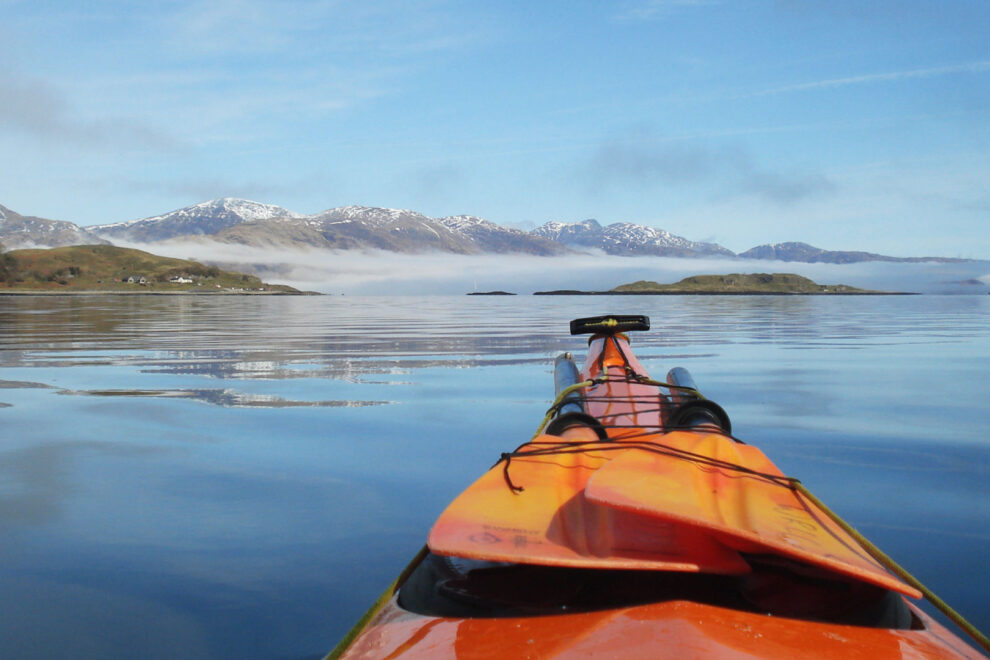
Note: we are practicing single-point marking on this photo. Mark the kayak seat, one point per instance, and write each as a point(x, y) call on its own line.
point(440, 587)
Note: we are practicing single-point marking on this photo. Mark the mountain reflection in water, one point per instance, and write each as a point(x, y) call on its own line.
point(137, 522)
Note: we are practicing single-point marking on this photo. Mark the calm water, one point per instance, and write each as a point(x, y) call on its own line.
point(240, 477)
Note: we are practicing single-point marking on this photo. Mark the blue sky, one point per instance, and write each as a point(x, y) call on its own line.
point(845, 124)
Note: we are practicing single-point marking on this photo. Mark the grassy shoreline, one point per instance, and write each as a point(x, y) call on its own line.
point(117, 292)
point(107, 269)
point(734, 284)
point(754, 292)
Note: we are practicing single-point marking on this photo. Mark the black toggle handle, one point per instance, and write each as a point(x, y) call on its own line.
point(609, 324)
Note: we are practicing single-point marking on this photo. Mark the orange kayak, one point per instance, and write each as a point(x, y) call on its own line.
point(634, 525)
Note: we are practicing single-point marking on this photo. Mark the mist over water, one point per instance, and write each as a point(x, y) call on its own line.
point(389, 273)
point(220, 477)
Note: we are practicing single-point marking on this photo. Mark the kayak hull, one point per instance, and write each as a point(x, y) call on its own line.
point(674, 629)
point(631, 536)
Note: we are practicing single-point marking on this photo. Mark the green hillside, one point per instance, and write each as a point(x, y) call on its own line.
point(739, 283)
point(116, 269)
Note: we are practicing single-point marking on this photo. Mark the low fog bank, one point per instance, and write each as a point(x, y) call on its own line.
point(388, 273)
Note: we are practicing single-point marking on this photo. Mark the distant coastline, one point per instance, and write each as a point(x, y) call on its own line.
point(106, 269)
point(754, 292)
point(117, 292)
point(735, 284)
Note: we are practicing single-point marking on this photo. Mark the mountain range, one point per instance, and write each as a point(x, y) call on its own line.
point(626, 239)
point(243, 222)
point(18, 230)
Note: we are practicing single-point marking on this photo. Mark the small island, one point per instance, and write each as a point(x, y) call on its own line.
point(491, 293)
point(759, 284)
point(88, 269)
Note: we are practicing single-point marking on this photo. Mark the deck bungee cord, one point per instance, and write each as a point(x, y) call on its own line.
point(577, 388)
point(634, 522)
point(624, 444)
point(888, 562)
point(651, 447)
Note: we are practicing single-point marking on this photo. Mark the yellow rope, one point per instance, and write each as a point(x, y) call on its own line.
point(604, 323)
point(564, 393)
point(376, 607)
point(897, 569)
point(567, 391)
point(874, 551)
point(660, 383)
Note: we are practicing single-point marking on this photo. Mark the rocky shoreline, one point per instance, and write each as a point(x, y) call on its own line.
point(108, 292)
point(754, 292)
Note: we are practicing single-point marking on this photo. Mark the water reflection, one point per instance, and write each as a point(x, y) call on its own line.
point(21, 384)
point(37, 479)
point(262, 524)
point(228, 398)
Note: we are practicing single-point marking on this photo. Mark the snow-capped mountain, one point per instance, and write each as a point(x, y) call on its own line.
point(244, 222)
point(364, 227)
point(206, 218)
point(371, 216)
point(802, 252)
point(496, 238)
point(25, 231)
point(627, 239)
point(580, 234)
point(349, 227)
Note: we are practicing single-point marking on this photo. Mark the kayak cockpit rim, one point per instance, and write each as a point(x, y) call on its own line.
point(610, 431)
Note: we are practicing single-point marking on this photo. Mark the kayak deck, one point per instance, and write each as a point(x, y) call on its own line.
point(442, 587)
point(668, 629)
point(646, 497)
point(553, 522)
point(638, 527)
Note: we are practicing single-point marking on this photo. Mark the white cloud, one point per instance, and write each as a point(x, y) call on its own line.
point(731, 168)
point(43, 110)
point(981, 66)
point(646, 10)
point(393, 29)
point(226, 71)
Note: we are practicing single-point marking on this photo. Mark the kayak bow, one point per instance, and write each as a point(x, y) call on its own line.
point(635, 525)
